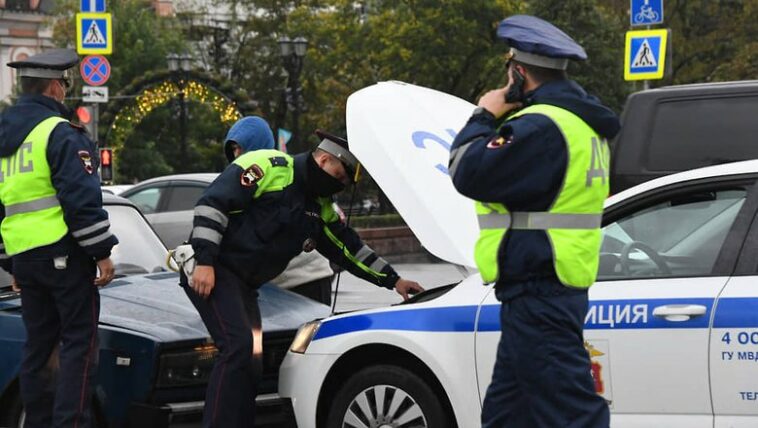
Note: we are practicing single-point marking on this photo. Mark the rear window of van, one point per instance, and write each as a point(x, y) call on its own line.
point(690, 133)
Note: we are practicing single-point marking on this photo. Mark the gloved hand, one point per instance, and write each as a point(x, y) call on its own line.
point(184, 256)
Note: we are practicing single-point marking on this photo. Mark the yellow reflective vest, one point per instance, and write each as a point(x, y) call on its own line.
point(573, 221)
point(33, 215)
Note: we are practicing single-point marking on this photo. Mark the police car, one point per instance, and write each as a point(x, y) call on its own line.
point(672, 326)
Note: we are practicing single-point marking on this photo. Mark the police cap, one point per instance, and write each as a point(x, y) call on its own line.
point(537, 42)
point(51, 64)
point(338, 147)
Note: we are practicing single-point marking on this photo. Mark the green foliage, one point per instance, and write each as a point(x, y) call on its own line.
point(601, 32)
point(448, 45)
point(713, 40)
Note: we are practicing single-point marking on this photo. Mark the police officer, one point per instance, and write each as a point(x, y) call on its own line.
point(262, 211)
point(55, 234)
point(308, 274)
point(540, 180)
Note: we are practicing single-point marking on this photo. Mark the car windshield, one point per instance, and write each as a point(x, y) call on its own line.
point(139, 250)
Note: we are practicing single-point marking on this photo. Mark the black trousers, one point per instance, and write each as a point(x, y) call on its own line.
point(60, 309)
point(542, 373)
point(233, 319)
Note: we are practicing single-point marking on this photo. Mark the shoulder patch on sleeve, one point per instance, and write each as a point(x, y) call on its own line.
point(251, 175)
point(499, 141)
point(86, 159)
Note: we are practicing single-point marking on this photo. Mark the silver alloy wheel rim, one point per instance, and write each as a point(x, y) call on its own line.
point(384, 406)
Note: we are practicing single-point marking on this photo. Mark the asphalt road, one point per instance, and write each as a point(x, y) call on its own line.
point(356, 294)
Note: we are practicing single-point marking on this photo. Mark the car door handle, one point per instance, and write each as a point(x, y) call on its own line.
point(679, 313)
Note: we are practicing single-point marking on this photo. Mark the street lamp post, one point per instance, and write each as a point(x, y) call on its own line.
point(180, 66)
point(293, 54)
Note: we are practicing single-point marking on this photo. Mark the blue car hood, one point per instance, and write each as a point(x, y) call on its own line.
point(156, 305)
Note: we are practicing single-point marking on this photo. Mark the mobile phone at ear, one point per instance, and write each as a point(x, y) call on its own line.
point(516, 91)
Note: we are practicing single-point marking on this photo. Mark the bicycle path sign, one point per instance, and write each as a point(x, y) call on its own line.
point(646, 12)
point(645, 54)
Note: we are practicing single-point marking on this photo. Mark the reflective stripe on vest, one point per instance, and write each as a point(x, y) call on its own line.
point(573, 221)
point(539, 221)
point(33, 215)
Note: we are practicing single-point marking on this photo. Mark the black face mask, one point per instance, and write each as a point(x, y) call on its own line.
point(319, 182)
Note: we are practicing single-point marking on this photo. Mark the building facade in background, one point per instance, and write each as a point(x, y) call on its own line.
point(24, 31)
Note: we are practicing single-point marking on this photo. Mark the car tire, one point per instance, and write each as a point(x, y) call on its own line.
point(404, 397)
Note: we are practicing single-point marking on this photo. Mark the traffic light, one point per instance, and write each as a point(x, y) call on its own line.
point(86, 118)
point(106, 165)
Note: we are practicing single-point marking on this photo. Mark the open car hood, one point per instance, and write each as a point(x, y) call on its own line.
point(402, 134)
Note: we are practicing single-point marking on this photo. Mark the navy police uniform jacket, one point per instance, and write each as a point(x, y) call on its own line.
point(73, 172)
point(258, 237)
point(526, 172)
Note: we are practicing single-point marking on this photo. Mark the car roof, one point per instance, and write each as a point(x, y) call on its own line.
point(733, 84)
point(206, 177)
point(723, 170)
point(111, 199)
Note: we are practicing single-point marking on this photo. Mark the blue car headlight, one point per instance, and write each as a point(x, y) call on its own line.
point(186, 367)
point(304, 337)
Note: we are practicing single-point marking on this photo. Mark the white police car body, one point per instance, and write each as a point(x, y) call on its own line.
point(672, 328)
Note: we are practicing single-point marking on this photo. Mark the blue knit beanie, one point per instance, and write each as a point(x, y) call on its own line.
point(251, 133)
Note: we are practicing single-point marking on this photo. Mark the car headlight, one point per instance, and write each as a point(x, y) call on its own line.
point(304, 336)
point(186, 367)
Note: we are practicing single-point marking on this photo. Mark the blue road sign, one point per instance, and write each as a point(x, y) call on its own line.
point(646, 12)
point(92, 5)
point(645, 54)
point(93, 33)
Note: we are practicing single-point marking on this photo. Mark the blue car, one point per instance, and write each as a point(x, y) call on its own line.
point(155, 353)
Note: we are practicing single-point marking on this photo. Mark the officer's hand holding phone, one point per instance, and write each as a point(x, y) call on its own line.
point(203, 280)
point(107, 272)
point(501, 101)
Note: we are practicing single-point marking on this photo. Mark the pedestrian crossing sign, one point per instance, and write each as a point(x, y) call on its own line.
point(94, 33)
point(645, 54)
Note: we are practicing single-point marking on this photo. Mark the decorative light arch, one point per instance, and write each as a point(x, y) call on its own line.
point(146, 94)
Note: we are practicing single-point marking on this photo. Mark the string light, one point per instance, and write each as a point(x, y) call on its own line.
point(151, 98)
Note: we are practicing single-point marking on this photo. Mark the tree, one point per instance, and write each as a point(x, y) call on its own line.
point(601, 31)
point(713, 40)
point(142, 41)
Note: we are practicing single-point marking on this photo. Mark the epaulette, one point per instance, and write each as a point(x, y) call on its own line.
point(78, 127)
point(278, 161)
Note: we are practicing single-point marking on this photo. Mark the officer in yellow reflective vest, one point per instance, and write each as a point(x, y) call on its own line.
point(262, 211)
point(55, 235)
point(540, 181)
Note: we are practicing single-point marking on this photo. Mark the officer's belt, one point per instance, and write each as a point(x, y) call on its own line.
point(539, 221)
point(33, 205)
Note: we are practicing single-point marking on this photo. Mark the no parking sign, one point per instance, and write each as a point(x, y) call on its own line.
point(95, 70)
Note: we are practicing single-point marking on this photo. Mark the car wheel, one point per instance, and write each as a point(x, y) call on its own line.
point(386, 396)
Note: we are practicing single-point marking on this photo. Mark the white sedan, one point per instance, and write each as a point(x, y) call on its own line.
point(672, 327)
